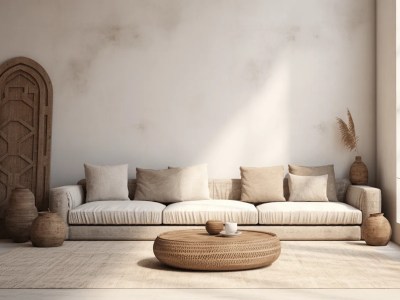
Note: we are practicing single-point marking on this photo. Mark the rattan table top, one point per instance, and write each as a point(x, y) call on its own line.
point(200, 235)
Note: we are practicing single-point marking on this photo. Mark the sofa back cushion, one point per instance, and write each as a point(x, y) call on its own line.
point(225, 189)
point(231, 189)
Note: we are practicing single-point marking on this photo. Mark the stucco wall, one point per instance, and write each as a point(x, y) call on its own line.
point(386, 109)
point(179, 82)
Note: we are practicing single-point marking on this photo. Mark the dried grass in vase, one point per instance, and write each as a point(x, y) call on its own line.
point(348, 132)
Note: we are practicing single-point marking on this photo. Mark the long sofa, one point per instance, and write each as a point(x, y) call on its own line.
point(144, 220)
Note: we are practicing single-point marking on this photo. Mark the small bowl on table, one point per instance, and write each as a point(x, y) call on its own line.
point(214, 227)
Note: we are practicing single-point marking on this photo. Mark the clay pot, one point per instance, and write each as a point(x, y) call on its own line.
point(358, 172)
point(20, 214)
point(214, 227)
point(48, 230)
point(376, 230)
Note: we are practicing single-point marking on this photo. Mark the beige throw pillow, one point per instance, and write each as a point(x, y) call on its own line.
point(172, 185)
point(262, 184)
point(316, 171)
point(106, 182)
point(308, 188)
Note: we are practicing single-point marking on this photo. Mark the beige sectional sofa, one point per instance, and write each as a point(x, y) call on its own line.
point(144, 220)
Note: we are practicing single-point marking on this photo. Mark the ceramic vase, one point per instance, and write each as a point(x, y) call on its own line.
point(358, 172)
point(376, 230)
point(20, 214)
point(214, 227)
point(48, 230)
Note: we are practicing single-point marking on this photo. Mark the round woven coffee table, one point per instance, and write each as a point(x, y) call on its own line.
point(197, 250)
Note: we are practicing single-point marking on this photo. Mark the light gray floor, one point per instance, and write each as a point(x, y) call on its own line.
point(99, 294)
point(201, 294)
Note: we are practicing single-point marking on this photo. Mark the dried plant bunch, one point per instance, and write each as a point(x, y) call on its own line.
point(348, 132)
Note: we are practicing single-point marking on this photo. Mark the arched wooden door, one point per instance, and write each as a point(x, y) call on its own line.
point(26, 97)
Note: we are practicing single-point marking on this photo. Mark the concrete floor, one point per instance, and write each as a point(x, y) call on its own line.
point(200, 294)
point(169, 294)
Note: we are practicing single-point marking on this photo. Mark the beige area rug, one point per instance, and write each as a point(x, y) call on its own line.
point(132, 265)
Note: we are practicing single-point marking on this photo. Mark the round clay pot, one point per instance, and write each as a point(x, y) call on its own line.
point(376, 230)
point(20, 214)
point(214, 227)
point(358, 172)
point(48, 230)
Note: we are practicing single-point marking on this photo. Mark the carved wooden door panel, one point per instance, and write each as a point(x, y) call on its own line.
point(26, 97)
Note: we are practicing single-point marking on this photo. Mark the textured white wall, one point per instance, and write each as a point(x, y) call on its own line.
point(179, 82)
point(386, 109)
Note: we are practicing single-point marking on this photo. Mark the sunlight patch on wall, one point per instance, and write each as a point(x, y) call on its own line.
point(258, 128)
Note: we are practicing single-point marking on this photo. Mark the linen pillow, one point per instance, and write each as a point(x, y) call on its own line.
point(173, 184)
point(106, 182)
point(308, 188)
point(316, 171)
point(262, 184)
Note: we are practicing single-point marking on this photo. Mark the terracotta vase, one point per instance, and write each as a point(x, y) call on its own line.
point(20, 214)
point(48, 230)
point(376, 230)
point(358, 172)
point(214, 227)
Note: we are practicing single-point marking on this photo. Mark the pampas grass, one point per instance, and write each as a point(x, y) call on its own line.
point(348, 132)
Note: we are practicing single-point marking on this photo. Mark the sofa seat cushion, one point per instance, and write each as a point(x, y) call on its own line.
point(308, 213)
point(117, 213)
point(200, 211)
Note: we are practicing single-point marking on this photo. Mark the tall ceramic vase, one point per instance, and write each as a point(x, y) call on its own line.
point(358, 172)
point(20, 214)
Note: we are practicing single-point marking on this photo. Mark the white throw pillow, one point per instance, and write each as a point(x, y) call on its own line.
point(317, 171)
point(173, 184)
point(106, 182)
point(308, 188)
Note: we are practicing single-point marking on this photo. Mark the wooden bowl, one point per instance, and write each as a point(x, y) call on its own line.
point(214, 227)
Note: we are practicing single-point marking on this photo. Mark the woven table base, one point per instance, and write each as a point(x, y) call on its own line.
point(197, 250)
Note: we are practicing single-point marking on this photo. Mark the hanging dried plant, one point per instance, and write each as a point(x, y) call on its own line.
point(348, 132)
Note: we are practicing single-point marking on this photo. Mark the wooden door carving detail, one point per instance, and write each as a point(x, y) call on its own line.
point(26, 98)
